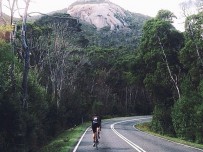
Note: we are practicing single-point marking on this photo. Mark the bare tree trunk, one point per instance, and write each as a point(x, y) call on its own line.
point(198, 54)
point(26, 57)
point(57, 72)
point(12, 41)
point(174, 80)
point(2, 20)
point(130, 95)
point(186, 7)
point(1, 15)
point(11, 7)
point(126, 99)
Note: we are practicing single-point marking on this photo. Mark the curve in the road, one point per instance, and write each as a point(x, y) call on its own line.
point(136, 147)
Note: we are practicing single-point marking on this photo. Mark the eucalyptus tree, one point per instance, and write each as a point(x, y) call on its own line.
point(162, 34)
point(26, 50)
point(11, 6)
point(194, 34)
point(187, 123)
point(61, 47)
point(0, 8)
point(159, 46)
point(188, 7)
point(191, 56)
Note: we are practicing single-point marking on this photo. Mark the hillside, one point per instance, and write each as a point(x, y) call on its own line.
point(107, 24)
point(4, 19)
point(99, 13)
point(104, 23)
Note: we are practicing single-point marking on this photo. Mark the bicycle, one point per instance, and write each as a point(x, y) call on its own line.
point(96, 126)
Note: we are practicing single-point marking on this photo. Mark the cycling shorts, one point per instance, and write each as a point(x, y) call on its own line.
point(95, 126)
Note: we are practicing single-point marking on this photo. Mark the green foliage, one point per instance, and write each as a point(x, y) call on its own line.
point(38, 95)
point(18, 126)
point(97, 107)
point(161, 121)
point(146, 127)
point(199, 124)
point(158, 36)
point(129, 77)
point(165, 15)
point(159, 47)
point(186, 86)
point(5, 61)
point(128, 37)
point(9, 101)
point(201, 88)
point(186, 119)
point(5, 28)
point(65, 141)
point(9, 117)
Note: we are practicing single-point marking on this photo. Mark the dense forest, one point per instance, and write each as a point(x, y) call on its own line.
point(52, 78)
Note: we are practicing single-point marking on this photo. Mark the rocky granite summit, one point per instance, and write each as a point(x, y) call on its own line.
point(100, 13)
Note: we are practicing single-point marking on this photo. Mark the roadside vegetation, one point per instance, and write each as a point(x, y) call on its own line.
point(146, 127)
point(66, 141)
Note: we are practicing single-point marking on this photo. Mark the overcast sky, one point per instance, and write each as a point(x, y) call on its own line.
point(146, 7)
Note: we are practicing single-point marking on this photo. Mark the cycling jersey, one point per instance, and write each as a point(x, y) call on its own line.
point(96, 122)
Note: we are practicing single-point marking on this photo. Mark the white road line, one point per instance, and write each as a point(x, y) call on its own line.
point(136, 147)
point(170, 140)
point(76, 147)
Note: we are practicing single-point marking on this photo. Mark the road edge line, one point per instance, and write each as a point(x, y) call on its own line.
point(76, 147)
point(168, 139)
point(136, 147)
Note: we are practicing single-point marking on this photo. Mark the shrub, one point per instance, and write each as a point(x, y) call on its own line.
point(161, 121)
point(186, 117)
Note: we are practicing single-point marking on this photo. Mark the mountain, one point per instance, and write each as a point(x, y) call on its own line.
point(104, 23)
point(100, 13)
point(107, 24)
point(5, 19)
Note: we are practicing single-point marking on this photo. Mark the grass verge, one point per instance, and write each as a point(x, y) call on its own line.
point(66, 141)
point(145, 127)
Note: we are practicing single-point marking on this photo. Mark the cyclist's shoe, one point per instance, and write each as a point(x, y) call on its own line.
point(93, 144)
point(97, 141)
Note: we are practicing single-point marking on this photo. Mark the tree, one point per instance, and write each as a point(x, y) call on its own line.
point(165, 15)
point(193, 27)
point(159, 47)
point(60, 54)
point(26, 50)
point(188, 8)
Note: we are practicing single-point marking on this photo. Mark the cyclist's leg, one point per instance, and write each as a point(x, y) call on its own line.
point(94, 136)
point(99, 129)
point(97, 134)
point(94, 129)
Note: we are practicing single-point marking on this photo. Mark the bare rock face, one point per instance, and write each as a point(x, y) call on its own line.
point(100, 13)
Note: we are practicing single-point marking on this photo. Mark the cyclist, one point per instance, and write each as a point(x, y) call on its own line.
point(96, 126)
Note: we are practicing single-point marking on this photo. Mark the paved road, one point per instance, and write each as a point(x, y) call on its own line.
point(119, 135)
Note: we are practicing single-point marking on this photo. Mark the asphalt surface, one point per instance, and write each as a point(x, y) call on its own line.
point(119, 135)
